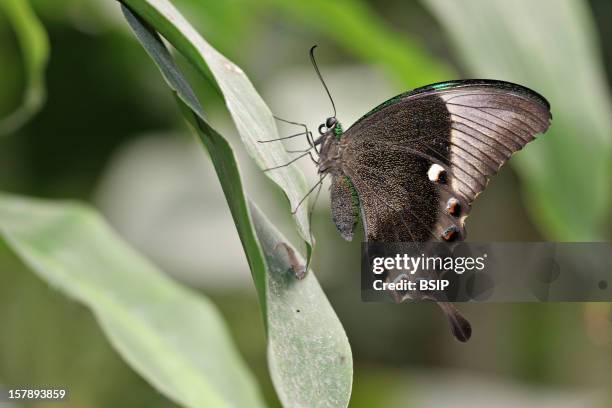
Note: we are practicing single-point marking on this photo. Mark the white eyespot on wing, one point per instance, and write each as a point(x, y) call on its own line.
point(435, 172)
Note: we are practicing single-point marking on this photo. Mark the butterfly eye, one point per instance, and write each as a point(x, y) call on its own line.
point(321, 127)
point(330, 122)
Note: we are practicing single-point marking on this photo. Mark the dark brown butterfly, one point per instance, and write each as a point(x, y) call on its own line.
point(411, 167)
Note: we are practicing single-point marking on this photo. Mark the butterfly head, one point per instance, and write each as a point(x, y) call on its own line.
point(332, 126)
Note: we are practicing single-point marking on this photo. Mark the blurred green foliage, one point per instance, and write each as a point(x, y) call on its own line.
point(355, 26)
point(35, 47)
point(57, 342)
point(171, 336)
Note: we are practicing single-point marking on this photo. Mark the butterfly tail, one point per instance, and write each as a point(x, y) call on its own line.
point(462, 330)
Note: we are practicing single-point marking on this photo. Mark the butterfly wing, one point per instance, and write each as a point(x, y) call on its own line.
point(419, 160)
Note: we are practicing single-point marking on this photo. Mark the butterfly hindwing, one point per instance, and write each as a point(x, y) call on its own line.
point(344, 205)
point(420, 159)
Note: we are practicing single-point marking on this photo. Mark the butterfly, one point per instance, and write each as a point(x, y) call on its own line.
point(411, 168)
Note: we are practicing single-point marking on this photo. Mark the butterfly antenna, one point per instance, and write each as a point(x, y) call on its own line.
point(314, 64)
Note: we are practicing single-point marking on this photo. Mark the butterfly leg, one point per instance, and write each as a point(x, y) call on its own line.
point(318, 184)
point(282, 138)
point(315, 161)
point(309, 138)
point(300, 270)
point(289, 162)
point(308, 133)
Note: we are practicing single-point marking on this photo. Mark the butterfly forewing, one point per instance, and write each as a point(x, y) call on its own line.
point(420, 159)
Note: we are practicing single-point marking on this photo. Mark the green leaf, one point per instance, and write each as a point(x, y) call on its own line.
point(173, 337)
point(220, 151)
point(550, 46)
point(35, 47)
point(308, 352)
point(251, 115)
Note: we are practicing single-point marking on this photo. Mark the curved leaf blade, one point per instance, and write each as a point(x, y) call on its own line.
point(220, 150)
point(308, 352)
point(173, 337)
point(251, 115)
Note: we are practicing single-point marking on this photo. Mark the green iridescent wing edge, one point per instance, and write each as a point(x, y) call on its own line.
point(456, 84)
